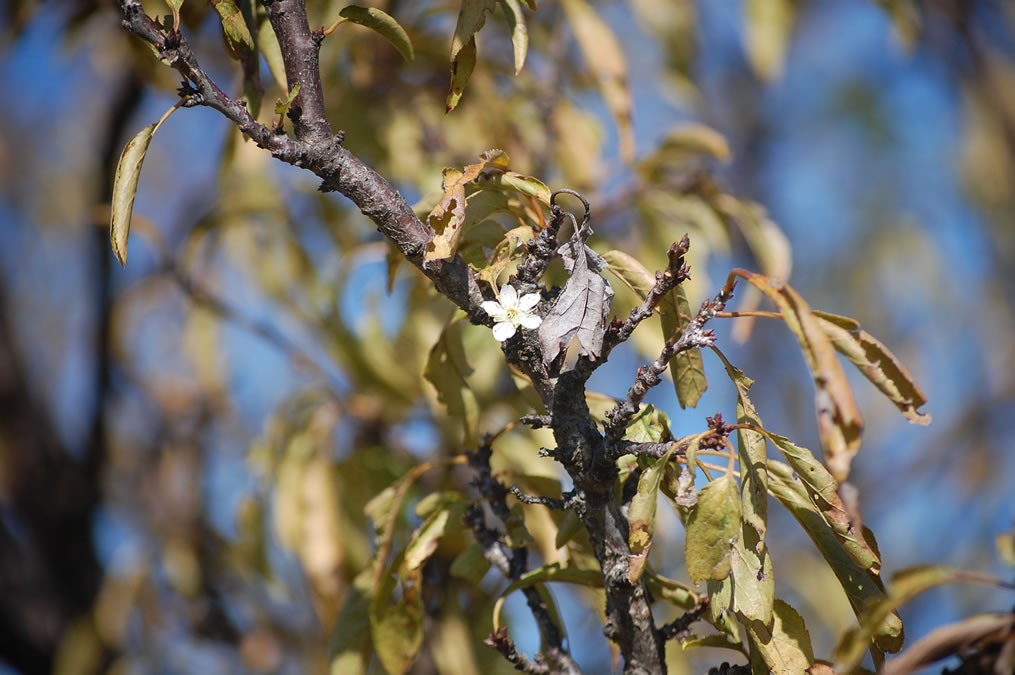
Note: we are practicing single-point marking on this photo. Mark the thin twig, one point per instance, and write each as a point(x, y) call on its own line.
point(694, 335)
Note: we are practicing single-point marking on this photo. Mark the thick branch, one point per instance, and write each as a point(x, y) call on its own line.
point(300, 53)
point(323, 155)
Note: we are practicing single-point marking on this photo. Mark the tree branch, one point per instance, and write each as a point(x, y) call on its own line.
point(694, 335)
point(300, 53)
point(324, 155)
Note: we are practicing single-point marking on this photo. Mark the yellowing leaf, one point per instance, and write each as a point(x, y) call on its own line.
point(426, 537)
point(448, 217)
point(471, 564)
point(396, 621)
point(642, 515)
point(861, 584)
point(349, 651)
point(713, 527)
point(234, 27)
point(769, 24)
point(509, 181)
point(786, 646)
point(906, 585)
point(267, 41)
point(128, 171)
point(471, 18)
point(447, 370)
point(519, 33)
point(687, 368)
point(605, 58)
point(691, 137)
point(877, 363)
point(384, 25)
point(839, 421)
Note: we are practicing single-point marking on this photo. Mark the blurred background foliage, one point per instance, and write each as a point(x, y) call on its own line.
point(187, 445)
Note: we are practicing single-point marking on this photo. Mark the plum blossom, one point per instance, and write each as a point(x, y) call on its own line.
point(512, 311)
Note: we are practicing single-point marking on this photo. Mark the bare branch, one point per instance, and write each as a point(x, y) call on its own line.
point(648, 376)
point(548, 502)
point(300, 53)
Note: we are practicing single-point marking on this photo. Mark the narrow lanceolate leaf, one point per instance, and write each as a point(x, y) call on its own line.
point(384, 25)
point(519, 33)
point(753, 458)
point(128, 171)
point(448, 217)
point(234, 27)
point(861, 585)
point(426, 537)
point(544, 574)
point(769, 24)
point(906, 585)
point(267, 41)
point(713, 527)
point(839, 422)
point(447, 370)
point(823, 492)
point(877, 363)
point(687, 367)
point(396, 621)
point(642, 516)
point(349, 651)
point(509, 181)
point(785, 647)
point(605, 58)
point(471, 18)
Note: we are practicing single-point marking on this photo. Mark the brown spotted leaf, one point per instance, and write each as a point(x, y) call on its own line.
point(642, 516)
point(877, 363)
point(839, 422)
point(713, 527)
point(448, 217)
point(471, 18)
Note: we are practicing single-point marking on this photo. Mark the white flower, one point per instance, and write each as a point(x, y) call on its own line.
point(512, 312)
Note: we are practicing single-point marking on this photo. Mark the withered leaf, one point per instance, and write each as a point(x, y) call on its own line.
point(448, 217)
point(582, 308)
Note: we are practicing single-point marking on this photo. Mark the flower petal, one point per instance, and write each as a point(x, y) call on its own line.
point(531, 321)
point(494, 309)
point(528, 301)
point(503, 330)
point(508, 296)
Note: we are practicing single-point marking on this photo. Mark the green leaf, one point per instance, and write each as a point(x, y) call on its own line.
point(471, 18)
point(396, 622)
point(650, 425)
point(349, 651)
point(128, 171)
point(548, 573)
point(877, 363)
point(642, 515)
point(234, 27)
point(786, 646)
point(672, 591)
point(519, 33)
point(509, 181)
point(282, 107)
point(753, 583)
point(570, 526)
point(713, 526)
point(471, 564)
point(384, 25)
point(445, 519)
point(861, 585)
point(839, 422)
point(447, 370)
point(687, 368)
point(906, 585)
